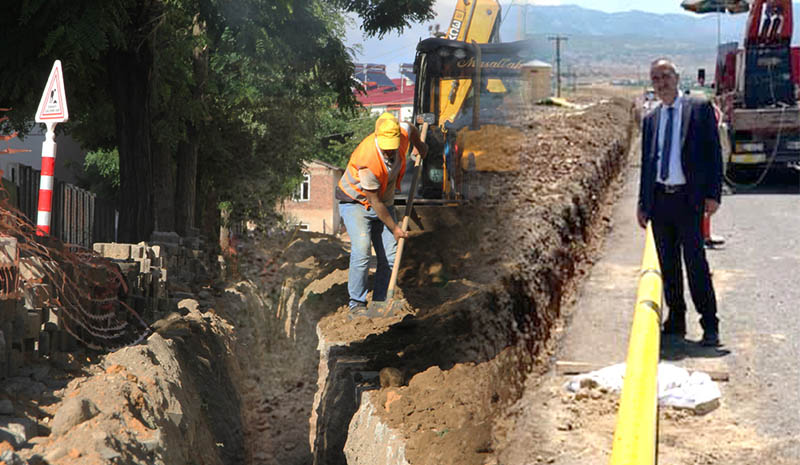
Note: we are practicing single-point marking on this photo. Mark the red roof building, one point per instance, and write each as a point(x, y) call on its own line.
point(397, 99)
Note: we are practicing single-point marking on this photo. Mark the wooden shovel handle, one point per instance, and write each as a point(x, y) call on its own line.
point(404, 225)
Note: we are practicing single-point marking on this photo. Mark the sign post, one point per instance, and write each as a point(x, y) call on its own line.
point(52, 110)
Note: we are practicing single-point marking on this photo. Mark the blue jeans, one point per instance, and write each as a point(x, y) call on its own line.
point(365, 229)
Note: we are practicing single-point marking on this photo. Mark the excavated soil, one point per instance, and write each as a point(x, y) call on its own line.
point(268, 369)
point(511, 266)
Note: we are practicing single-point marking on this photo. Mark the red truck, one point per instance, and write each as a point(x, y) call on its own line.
point(757, 91)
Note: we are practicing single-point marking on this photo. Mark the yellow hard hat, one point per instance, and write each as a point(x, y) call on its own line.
point(387, 131)
point(384, 115)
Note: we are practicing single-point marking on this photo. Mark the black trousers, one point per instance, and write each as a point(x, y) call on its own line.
point(676, 229)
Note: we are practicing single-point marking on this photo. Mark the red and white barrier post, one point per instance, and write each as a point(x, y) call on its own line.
point(46, 182)
point(52, 110)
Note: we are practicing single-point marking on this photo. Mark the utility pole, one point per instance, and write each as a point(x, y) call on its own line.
point(573, 78)
point(558, 39)
point(522, 18)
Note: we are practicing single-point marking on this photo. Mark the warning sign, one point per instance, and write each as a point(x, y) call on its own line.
point(53, 105)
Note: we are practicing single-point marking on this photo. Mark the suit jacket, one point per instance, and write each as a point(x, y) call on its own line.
point(701, 156)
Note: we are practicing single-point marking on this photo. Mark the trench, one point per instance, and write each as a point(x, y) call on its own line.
point(267, 369)
point(482, 296)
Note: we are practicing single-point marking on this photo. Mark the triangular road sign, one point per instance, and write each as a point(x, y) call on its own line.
point(53, 105)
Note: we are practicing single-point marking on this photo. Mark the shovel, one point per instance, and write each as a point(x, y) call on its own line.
point(391, 305)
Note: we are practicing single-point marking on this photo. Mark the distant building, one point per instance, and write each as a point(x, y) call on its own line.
point(313, 207)
point(372, 76)
point(539, 75)
point(69, 155)
point(395, 96)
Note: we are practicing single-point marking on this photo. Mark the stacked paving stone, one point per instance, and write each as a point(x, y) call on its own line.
point(29, 323)
point(28, 327)
point(145, 268)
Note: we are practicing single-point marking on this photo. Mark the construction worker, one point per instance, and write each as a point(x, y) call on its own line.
point(366, 204)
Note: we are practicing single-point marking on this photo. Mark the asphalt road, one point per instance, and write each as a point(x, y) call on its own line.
point(757, 280)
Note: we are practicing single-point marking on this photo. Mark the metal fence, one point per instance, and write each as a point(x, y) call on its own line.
point(78, 216)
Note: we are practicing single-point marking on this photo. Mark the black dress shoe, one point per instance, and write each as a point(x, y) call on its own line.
point(710, 340)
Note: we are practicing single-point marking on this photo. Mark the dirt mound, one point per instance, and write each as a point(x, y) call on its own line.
point(495, 148)
point(149, 403)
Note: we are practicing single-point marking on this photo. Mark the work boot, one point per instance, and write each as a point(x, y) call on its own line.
point(356, 311)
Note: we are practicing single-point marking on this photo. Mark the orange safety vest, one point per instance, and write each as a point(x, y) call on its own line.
point(366, 155)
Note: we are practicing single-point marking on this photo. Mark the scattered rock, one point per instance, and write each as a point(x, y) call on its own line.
point(72, 413)
point(391, 377)
point(10, 457)
point(189, 304)
point(17, 431)
point(171, 325)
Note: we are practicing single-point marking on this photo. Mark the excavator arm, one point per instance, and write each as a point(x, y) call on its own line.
point(473, 21)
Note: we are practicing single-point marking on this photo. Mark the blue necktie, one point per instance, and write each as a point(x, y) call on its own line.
point(667, 145)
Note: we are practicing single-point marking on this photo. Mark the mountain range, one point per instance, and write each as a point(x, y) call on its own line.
point(599, 44)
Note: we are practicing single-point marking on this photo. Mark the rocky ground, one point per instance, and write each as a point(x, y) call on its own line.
point(267, 369)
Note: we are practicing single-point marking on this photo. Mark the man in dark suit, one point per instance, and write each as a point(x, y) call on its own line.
point(681, 178)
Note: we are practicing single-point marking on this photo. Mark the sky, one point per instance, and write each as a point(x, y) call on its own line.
point(395, 49)
point(614, 6)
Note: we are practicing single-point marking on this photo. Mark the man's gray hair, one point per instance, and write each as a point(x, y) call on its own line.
point(665, 62)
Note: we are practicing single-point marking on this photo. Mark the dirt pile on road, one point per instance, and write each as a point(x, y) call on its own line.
point(164, 401)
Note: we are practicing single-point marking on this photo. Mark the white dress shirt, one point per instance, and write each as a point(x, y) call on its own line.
point(676, 176)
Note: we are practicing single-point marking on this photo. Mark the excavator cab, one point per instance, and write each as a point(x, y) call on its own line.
point(477, 92)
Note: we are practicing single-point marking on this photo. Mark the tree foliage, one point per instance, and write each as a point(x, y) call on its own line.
point(382, 16)
point(101, 173)
point(205, 100)
point(339, 133)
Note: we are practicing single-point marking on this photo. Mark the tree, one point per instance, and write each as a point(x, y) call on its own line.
point(211, 93)
point(382, 16)
point(339, 133)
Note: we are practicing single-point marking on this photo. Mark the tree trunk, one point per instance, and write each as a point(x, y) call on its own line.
point(208, 216)
point(130, 93)
point(185, 200)
point(164, 201)
point(186, 194)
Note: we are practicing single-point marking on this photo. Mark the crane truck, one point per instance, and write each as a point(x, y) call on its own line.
point(756, 88)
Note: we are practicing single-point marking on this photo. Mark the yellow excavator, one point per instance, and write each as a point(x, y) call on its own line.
point(475, 88)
